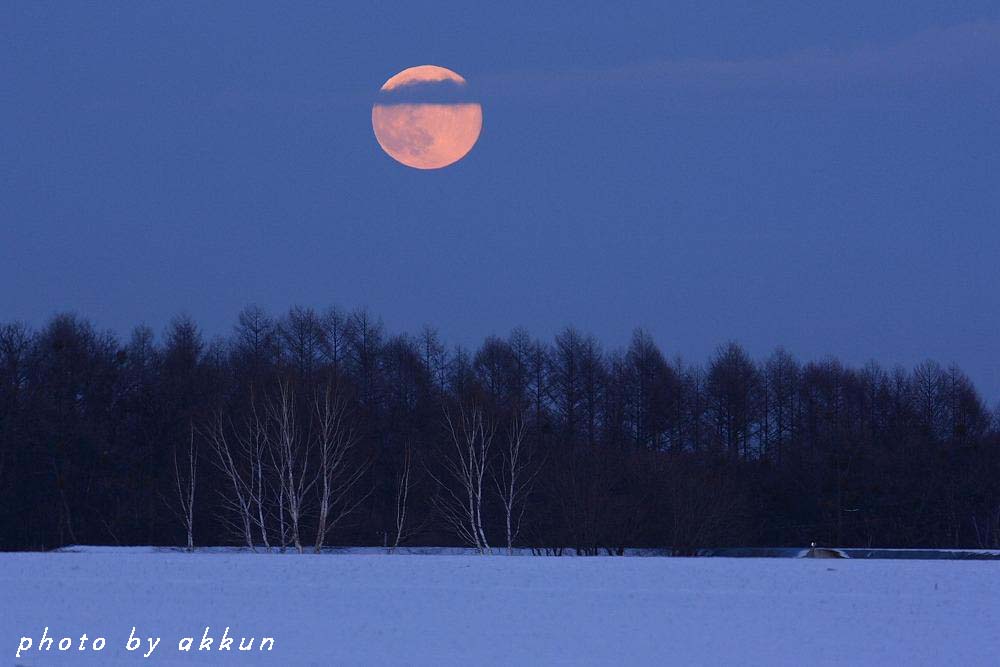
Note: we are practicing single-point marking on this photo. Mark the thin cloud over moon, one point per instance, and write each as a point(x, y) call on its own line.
point(422, 74)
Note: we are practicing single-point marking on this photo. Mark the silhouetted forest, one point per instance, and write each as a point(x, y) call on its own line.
point(315, 429)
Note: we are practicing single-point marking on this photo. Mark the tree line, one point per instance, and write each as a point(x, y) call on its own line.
point(317, 428)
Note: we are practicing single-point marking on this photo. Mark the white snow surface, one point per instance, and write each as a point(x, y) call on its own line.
point(335, 609)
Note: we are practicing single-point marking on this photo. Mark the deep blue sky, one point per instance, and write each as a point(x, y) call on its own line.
point(823, 176)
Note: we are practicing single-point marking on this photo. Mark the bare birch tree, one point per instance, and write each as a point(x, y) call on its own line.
point(402, 499)
point(466, 461)
point(246, 459)
point(240, 451)
point(254, 446)
point(513, 477)
point(237, 499)
point(290, 452)
point(279, 464)
point(338, 474)
point(185, 484)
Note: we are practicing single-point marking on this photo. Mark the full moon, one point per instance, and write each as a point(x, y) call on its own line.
point(426, 134)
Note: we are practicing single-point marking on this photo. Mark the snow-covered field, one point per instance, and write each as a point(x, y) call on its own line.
point(410, 609)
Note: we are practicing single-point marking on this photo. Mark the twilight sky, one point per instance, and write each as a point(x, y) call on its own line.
point(823, 176)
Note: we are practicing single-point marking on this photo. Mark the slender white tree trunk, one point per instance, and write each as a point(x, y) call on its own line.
point(186, 484)
point(402, 495)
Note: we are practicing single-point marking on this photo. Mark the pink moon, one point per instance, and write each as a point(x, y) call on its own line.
point(426, 135)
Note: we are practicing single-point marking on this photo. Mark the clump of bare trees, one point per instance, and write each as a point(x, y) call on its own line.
point(472, 458)
point(277, 471)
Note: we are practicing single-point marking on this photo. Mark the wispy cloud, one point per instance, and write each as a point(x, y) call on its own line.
point(964, 57)
point(933, 66)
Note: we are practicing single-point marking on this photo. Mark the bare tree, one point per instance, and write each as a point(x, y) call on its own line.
point(254, 446)
point(290, 452)
point(987, 532)
point(402, 499)
point(279, 466)
point(186, 487)
point(465, 461)
point(514, 477)
point(238, 499)
point(338, 474)
point(240, 455)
